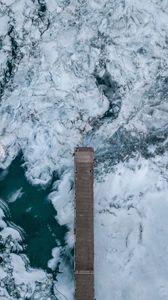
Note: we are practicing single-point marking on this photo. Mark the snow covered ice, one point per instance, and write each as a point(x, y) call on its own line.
point(78, 72)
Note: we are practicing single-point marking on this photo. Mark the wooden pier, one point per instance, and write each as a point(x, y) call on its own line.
point(84, 220)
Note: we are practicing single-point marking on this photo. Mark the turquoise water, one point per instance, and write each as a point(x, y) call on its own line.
point(32, 211)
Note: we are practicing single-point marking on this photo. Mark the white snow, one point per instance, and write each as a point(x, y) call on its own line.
point(51, 104)
point(56, 257)
point(3, 25)
point(2, 152)
point(22, 275)
point(131, 233)
point(62, 200)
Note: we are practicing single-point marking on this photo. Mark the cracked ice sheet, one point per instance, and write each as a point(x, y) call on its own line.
point(45, 111)
point(55, 95)
point(131, 233)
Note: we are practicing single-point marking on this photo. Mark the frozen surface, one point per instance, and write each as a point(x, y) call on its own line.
point(91, 73)
point(131, 233)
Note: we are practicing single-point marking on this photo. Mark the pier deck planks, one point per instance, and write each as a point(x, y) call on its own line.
point(84, 220)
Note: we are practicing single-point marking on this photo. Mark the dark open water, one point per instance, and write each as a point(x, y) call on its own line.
point(33, 213)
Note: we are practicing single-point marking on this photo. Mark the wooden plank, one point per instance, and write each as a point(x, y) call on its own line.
point(84, 286)
point(84, 231)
